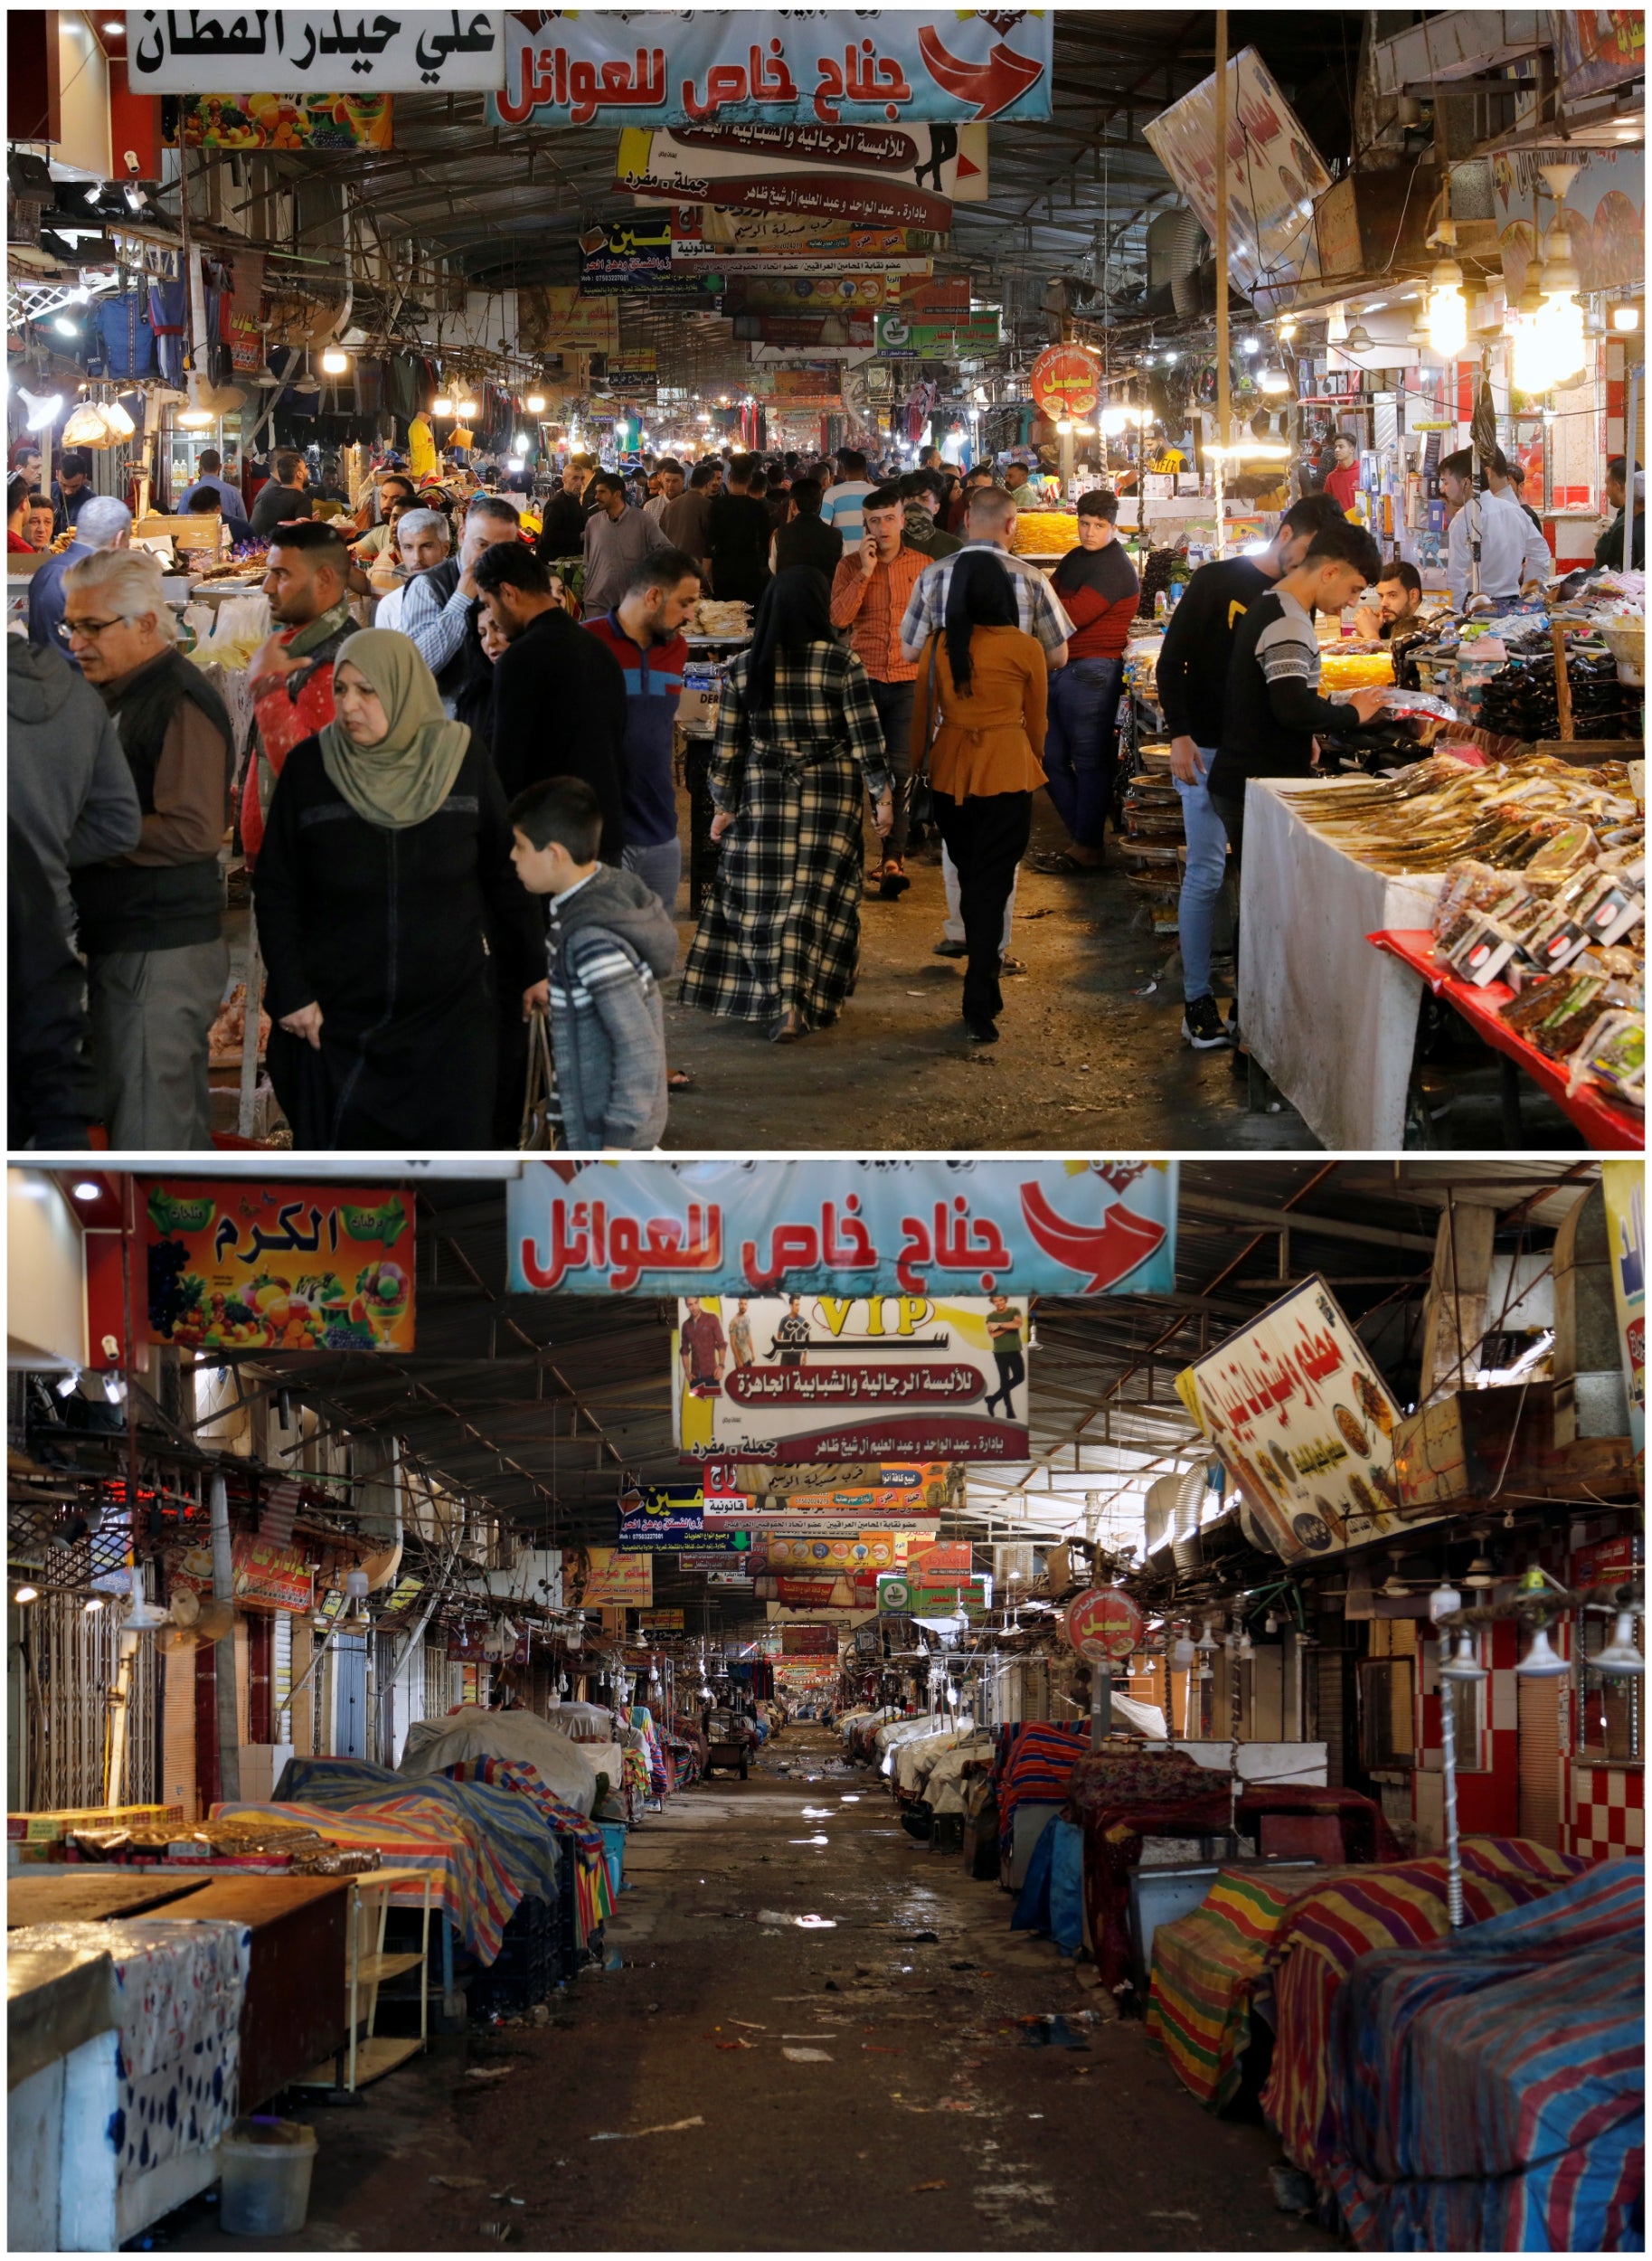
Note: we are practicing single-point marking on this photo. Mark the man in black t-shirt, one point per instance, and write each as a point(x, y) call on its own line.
point(1192, 676)
point(1273, 709)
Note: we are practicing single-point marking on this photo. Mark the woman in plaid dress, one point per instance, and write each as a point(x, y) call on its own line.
point(798, 738)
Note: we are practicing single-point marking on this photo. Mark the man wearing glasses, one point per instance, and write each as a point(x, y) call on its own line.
point(103, 524)
point(151, 922)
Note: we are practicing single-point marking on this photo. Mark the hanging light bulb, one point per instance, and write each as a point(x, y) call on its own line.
point(334, 361)
point(1560, 325)
point(1245, 1646)
point(1540, 1661)
point(535, 403)
point(1445, 1601)
point(1448, 312)
point(26, 1593)
point(1184, 1656)
point(1270, 1623)
point(1620, 1655)
point(1465, 1665)
point(442, 405)
point(1206, 1644)
point(465, 409)
point(1274, 381)
point(1625, 316)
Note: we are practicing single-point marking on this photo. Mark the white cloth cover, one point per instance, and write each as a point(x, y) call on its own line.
point(563, 1765)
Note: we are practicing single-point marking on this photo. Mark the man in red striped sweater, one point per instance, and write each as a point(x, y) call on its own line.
point(1100, 591)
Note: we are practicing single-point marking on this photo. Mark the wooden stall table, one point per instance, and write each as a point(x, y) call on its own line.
point(72, 1895)
point(297, 2008)
point(1607, 1124)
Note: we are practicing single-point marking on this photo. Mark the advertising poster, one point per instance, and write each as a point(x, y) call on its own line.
point(1275, 177)
point(1301, 1417)
point(906, 1595)
point(810, 1377)
point(1597, 48)
point(614, 1580)
point(1603, 216)
point(235, 1265)
point(809, 1641)
point(1066, 381)
point(660, 1622)
point(268, 1576)
point(975, 333)
point(862, 67)
point(859, 1557)
point(787, 294)
point(277, 121)
point(280, 51)
point(948, 161)
point(1625, 1186)
point(784, 243)
point(906, 1226)
point(635, 255)
point(554, 319)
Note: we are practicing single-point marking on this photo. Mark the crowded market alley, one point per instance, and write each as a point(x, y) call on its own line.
point(866, 2085)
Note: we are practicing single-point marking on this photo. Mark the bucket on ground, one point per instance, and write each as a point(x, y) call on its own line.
point(265, 2166)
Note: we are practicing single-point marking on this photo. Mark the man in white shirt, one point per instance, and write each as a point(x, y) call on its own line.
point(840, 505)
point(1512, 549)
point(670, 473)
point(422, 540)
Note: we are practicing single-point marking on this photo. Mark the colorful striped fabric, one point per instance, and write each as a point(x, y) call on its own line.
point(1325, 1931)
point(1205, 1969)
point(1488, 2091)
point(1036, 1764)
point(592, 1896)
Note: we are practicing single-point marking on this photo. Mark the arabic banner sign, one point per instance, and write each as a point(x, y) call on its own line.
point(277, 121)
point(809, 1378)
point(1300, 1416)
point(809, 1641)
point(1275, 174)
point(868, 67)
point(975, 333)
point(617, 1580)
point(948, 161)
point(660, 1622)
point(286, 51)
point(787, 294)
point(267, 1576)
point(785, 243)
point(926, 1486)
point(952, 1554)
point(1625, 1186)
point(867, 1552)
point(895, 1226)
point(1066, 381)
point(1103, 1624)
point(233, 1265)
point(910, 1596)
point(554, 320)
point(1597, 48)
point(632, 255)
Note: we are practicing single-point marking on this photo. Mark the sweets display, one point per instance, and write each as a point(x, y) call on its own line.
point(1045, 532)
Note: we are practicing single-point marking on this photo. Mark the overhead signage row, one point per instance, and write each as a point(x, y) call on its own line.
point(904, 1226)
point(806, 1377)
point(869, 67)
point(297, 51)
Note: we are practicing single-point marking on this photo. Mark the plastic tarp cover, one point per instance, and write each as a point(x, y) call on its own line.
point(1052, 1898)
point(564, 1766)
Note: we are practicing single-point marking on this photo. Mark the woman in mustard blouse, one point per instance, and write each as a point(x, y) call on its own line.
point(981, 692)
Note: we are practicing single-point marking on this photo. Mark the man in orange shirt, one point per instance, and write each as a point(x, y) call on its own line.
point(870, 592)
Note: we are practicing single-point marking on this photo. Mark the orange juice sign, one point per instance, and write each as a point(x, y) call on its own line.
point(232, 1266)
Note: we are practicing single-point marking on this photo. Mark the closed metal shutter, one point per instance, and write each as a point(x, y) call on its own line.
point(1540, 1762)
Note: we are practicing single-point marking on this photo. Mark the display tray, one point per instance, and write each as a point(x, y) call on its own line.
point(1609, 1126)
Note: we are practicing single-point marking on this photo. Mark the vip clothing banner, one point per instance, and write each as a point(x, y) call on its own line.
point(948, 161)
point(291, 51)
point(1301, 1418)
point(921, 1488)
point(234, 1265)
point(891, 1226)
point(804, 1377)
point(866, 66)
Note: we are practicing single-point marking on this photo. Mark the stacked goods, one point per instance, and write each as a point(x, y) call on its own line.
point(1442, 812)
point(1521, 699)
point(47, 1837)
point(1045, 532)
point(731, 620)
point(1155, 571)
point(1154, 838)
point(285, 1847)
point(539, 1949)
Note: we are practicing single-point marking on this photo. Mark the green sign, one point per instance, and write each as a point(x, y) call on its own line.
point(959, 333)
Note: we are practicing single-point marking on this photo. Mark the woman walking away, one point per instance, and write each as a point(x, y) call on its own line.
point(386, 859)
point(798, 738)
point(984, 680)
point(1098, 589)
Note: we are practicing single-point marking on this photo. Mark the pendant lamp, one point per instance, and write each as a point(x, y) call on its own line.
point(1620, 1655)
point(1465, 1665)
point(1540, 1661)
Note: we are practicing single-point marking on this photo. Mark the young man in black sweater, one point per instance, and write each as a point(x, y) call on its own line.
point(1192, 676)
point(1273, 709)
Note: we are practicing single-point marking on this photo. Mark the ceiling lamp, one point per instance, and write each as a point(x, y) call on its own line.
point(1479, 1573)
point(1113, 421)
point(1558, 330)
point(1250, 344)
point(536, 402)
point(194, 419)
point(1274, 381)
point(1359, 340)
point(1625, 316)
point(26, 1593)
point(1287, 331)
point(1448, 312)
point(335, 361)
point(1183, 1654)
point(442, 405)
point(1540, 1661)
point(466, 410)
point(1465, 1665)
point(1620, 1654)
point(1206, 1644)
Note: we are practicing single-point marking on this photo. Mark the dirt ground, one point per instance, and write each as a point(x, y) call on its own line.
point(915, 2118)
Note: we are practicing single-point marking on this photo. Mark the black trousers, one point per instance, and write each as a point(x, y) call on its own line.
point(1011, 1373)
point(986, 837)
point(1231, 809)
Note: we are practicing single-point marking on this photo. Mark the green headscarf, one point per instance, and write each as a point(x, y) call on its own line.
point(409, 774)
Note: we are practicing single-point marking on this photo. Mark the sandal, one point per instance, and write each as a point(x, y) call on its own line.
point(790, 1029)
point(679, 1080)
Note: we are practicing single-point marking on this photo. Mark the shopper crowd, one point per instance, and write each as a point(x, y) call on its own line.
point(467, 812)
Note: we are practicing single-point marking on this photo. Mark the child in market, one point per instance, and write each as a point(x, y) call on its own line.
point(612, 943)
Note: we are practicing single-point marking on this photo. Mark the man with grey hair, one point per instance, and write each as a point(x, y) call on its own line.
point(151, 922)
point(104, 524)
point(423, 539)
point(441, 606)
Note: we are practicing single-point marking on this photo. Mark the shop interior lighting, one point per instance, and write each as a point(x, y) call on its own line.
point(1206, 1642)
point(42, 411)
point(91, 1606)
point(114, 1389)
point(193, 419)
point(1448, 312)
point(535, 403)
point(1274, 381)
point(86, 1190)
point(1184, 1656)
point(1540, 1661)
point(24, 1595)
point(1359, 340)
point(1259, 450)
point(442, 405)
point(334, 361)
point(467, 408)
point(1250, 344)
point(65, 327)
point(70, 1383)
point(1625, 316)
point(1620, 1655)
point(1465, 1665)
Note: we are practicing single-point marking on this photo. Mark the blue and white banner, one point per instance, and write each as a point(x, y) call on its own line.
point(913, 1228)
point(709, 67)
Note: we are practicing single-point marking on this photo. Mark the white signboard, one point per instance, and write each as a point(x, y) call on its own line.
point(824, 1377)
point(340, 50)
point(1301, 1417)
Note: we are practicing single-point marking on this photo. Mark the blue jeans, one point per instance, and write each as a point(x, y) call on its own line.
point(660, 866)
point(1079, 750)
point(893, 702)
point(1207, 861)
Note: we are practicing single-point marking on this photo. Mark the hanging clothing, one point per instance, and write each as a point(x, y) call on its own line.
point(781, 930)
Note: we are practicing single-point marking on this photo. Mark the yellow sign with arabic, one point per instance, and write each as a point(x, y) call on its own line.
point(617, 1581)
point(1301, 1418)
point(233, 1265)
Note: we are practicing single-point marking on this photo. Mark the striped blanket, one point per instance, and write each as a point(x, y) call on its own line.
point(1323, 1933)
point(1035, 1766)
point(593, 1898)
point(1205, 1969)
point(1487, 2091)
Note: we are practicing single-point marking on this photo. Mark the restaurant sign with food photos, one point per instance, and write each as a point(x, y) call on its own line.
point(234, 1265)
point(1302, 1420)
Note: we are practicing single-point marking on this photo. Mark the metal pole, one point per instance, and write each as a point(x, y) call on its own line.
point(1223, 344)
point(223, 1590)
point(1100, 1704)
point(1454, 1859)
point(1630, 423)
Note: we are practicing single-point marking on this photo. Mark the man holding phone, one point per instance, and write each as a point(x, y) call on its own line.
point(870, 591)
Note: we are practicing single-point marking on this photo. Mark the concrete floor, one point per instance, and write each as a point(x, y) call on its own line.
point(919, 2122)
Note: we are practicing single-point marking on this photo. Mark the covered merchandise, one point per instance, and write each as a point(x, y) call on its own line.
point(436, 1745)
point(1119, 1794)
point(1487, 2091)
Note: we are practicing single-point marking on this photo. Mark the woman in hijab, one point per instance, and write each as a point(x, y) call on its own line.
point(383, 877)
point(1098, 585)
point(981, 692)
point(798, 744)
